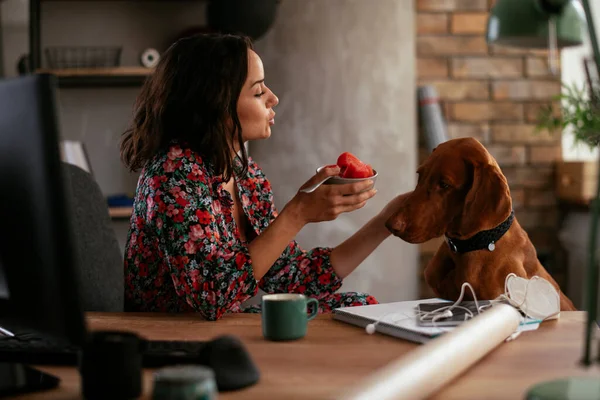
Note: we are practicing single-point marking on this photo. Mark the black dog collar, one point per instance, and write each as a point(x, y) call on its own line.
point(481, 240)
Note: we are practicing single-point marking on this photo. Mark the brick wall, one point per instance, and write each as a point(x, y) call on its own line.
point(494, 94)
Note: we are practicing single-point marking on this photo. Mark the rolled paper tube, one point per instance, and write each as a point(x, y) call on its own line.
point(432, 120)
point(420, 373)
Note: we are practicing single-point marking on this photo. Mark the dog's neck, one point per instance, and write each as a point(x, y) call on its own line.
point(483, 240)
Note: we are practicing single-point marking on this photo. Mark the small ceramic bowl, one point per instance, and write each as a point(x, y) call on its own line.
point(336, 180)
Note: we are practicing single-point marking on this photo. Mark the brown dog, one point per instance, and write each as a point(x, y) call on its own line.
point(461, 193)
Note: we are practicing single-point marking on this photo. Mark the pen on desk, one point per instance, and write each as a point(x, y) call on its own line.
point(6, 332)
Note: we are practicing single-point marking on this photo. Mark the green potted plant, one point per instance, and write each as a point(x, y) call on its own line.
point(579, 110)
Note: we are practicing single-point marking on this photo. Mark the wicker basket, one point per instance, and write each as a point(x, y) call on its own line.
point(83, 57)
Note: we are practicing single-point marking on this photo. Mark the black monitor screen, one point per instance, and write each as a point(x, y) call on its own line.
point(36, 246)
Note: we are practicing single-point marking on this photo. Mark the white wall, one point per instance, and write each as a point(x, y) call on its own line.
point(574, 73)
point(344, 74)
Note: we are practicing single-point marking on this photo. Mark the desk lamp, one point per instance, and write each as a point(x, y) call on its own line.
point(556, 24)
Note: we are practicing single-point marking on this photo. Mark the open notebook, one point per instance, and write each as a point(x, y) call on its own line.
point(399, 320)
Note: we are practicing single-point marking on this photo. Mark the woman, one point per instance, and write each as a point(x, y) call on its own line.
point(205, 234)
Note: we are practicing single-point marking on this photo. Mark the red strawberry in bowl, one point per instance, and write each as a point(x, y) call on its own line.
point(352, 169)
point(356, 170)
point(346, 158)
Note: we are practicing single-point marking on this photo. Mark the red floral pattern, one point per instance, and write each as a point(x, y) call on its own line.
point(184, 252)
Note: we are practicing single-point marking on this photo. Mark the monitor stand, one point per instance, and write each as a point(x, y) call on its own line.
point(18, 378)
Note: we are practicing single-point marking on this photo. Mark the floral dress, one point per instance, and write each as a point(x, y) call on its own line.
point(184, 252)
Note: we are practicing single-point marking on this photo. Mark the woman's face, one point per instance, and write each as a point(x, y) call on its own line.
point(256, 102)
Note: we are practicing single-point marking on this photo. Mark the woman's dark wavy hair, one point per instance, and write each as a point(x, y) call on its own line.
point(190, 98)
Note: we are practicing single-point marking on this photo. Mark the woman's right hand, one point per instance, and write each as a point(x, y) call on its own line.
point(327, 202)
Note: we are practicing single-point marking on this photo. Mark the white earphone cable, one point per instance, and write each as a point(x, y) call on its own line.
point(446, 311)
point(442, 312)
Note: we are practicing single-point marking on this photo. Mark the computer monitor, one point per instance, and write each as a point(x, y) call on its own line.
point(38, 275)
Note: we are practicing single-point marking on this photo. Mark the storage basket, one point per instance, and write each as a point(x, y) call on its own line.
point(83, 57)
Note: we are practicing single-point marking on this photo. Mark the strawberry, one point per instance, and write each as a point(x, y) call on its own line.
point(349, 170)
point(352, 167)
point(363, 171)
point(345, 158)
point(357, 170)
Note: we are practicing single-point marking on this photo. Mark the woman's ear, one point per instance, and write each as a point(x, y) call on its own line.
point(488, 202)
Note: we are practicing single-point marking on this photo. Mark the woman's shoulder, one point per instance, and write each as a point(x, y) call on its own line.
point(254, 169)
point(174, 164)
point(256, 173)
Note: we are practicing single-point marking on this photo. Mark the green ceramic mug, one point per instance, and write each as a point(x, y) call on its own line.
point(285, 315)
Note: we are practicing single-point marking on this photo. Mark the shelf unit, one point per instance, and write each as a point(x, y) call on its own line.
point(81, 77)
point(125, 76)
point(120, 212)
point(99, 77)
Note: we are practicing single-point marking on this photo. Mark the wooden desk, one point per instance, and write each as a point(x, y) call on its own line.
point(335, 355)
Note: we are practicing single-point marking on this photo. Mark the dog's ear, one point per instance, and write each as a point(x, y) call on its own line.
point(488, 202)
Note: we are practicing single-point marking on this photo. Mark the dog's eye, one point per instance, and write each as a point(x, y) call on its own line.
point(444, 185)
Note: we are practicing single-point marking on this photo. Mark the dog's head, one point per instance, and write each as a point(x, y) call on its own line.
point(460, 191)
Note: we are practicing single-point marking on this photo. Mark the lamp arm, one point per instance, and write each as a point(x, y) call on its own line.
point(592, 270)
point(552, 6)
point(592, 32)
point(556, 3)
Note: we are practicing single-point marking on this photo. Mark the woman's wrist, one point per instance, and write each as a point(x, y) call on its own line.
point(378, 223)
point(293, 216)
point(348, 255)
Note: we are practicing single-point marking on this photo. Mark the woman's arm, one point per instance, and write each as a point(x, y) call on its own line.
point(348, 255)
point(310, 271)
point(319, 271)
point(267, 247)
point(324, 204)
